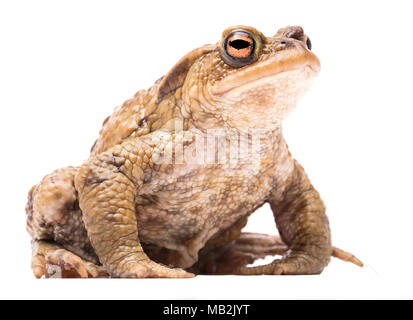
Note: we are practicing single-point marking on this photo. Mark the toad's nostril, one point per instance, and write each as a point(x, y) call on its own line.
point(295, 33)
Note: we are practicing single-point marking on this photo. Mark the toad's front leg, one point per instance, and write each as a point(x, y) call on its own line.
point(107, 186)
point(303, 226)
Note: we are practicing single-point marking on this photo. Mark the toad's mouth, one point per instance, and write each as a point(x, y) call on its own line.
point(271, 68)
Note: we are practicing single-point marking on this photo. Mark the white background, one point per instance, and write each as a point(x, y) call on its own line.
point(64, 66)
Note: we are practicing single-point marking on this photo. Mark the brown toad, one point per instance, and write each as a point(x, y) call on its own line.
point(178, 169)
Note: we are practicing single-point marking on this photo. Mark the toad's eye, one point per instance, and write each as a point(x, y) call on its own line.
point(308, 43)
point(239, 48)
point(239, 45)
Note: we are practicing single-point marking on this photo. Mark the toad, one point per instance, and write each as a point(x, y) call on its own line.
point(178, 169)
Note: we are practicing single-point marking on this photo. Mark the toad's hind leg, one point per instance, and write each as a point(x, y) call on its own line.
point(233, 257)
point(55, 224)
point(53, 261)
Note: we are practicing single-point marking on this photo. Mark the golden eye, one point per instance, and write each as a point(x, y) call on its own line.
point(239, 45)
point(239, 48)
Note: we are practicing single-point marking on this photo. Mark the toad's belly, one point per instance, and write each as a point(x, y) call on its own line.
point(182, 215)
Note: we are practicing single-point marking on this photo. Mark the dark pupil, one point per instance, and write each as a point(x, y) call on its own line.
point(239, 44)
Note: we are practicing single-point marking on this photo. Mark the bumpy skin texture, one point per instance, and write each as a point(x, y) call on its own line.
point(126, 212)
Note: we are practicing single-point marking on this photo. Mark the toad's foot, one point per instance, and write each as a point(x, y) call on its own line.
point(149, 269)
point(52, 261)
point(295, 264)
point(65, 264)
point(346, 256)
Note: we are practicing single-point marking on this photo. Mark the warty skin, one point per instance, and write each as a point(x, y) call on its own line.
point(126, 212)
